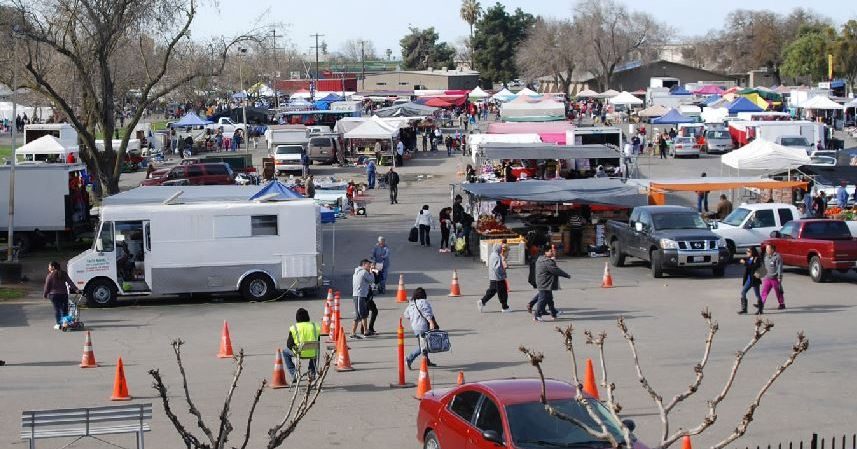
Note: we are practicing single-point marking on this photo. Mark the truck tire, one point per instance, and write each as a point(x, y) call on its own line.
point(657, 264)
point(257, 287)
point(100, 293)
point(617, 259)
point(816, 272)
point(431, 441)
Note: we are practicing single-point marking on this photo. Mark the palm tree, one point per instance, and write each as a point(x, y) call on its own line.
point(470, 12)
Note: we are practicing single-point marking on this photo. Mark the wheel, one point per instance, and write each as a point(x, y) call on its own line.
point(719, 271)
point(431, 441)
point(657, 264)
point(100, 293)
point(257, 287)
point(816, 271)
point(617, 259)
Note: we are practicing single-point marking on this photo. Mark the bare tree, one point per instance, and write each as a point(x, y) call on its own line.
point(600, 429)
point(553, 48)
point(110, 49)
point(303, 398)
point(356, 50)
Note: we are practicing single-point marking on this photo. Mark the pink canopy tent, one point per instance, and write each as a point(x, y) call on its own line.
point(557, 138)
point(709, 89)
point(530, 127)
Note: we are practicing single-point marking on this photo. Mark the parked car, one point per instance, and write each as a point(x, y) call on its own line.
point(509, 413)
point(212, 173)
point(288, 158)
point(668, 237)
point(323, 149)
point(750, 224)
point(718, 141)
point(796, 142)
point(820, 245)
point(686, 146)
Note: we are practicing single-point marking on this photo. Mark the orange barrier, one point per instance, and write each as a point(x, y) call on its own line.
point(589, 386)
point(401, 294)
point(325, 320)
point(424, 383)
point(343, 360)
point(607, 280)
point(460, 380)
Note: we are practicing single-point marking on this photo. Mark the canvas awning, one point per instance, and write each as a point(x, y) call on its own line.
point(764, 155)
point(406, 110)
point(625, 98)
point(586, 93)
point(709, 89)
point(190, 119)
point(658, 187)
point(823, 103)
point(478, 94)
point(372, 129)
point(672, 117)
point(653, 111)
point(501, 151)
point(742, 105)
point(528, 92)
point(580, 191)
point(503, 95)
point(46, 144)
point(609, 93)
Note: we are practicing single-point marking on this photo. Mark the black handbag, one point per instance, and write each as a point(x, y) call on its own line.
point(414, 235)
point(435, 340)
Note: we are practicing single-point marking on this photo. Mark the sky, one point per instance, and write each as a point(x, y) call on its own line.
point(384, 22)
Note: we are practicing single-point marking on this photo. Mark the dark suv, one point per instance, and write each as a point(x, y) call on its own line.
point(212, 173)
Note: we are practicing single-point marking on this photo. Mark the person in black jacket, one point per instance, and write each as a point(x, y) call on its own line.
point(547, 280)
point(752, 266)
point(393, 183)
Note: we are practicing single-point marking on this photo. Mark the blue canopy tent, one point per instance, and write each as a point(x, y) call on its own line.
point(190, 120)
point(672, 117)
point(277, 191)
point(711, 99)
point(679, 90)
point(323, 104)
point(742, 105)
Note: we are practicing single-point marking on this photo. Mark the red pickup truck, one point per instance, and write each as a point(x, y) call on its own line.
point(819, 245)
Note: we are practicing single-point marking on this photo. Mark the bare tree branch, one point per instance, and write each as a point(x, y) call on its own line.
point(225, 425)
point(700, 367)
point(612, 406)
point(188, 438)
point(177, 348)
point(250, 415)
point(644, 382)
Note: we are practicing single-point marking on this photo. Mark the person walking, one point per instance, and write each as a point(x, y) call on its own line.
point(361, 281)
point(753, 272)
point(302, 332)
point(547, 280)
point(842, 195)
point(496, 279)
point(370, 173)
point(773, 278)
point(393, 183)
point(57, 287)
point(702, 198)
point(400, 153)
point(421, 316)
point(381, 258)
point(424, 223)
point(445, 218)
point(310, 187)
point(425, 140)
point(662, 146)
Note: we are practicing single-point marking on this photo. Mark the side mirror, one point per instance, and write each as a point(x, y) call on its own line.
point(630, 424)
point(492, 436)
point(713, 224)
point(638, 226)
point(99, 246)
point(776, 235)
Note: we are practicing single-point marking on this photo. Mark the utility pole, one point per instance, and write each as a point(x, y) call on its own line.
point(11, 232)
point(276, 75)
point(316, 35)
point(362, 66)
point(243, 51)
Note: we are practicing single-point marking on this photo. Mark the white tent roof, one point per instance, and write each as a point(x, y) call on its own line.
point(851, 104)
point(764, 155)
point(44, 145)
point(478, 93)
point(586, 93)
point(504, 94)
point(528, 92)
point(477, 140)
point(610, 93)
point(372, 129)
point(714, 115)
point(822, 102)
point(547, 109)
point(625, 98)
point(657, 110)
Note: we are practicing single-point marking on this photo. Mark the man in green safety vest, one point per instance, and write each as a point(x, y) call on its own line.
point(303, 331)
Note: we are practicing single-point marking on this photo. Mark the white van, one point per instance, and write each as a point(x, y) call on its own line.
point(750, 224)
point(255, 248)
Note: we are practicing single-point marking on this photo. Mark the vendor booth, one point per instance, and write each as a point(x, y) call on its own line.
point(362, 140)
point(546, 161)
point(47, 149)
point(524, 109)
point(764, 155)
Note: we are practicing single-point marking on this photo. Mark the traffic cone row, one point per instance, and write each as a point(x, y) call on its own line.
point(423, 382)
point(454, 289)
point(325, 320)
point(343, 360)
point(120, 385)
point(607, 280)
point(401, 294)
point(88, 359)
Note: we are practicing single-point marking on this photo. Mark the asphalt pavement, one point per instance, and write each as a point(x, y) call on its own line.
point(358, 409)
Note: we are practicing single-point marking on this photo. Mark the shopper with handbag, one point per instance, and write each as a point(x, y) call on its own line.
point(424, 223)
point(753, 274)
point(420, 314)
point(773, 279)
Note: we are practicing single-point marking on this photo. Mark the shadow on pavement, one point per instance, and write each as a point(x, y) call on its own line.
point(47, 364)
point(358, 388)
point(485, 366)
point(817, 308)
point(12, 315)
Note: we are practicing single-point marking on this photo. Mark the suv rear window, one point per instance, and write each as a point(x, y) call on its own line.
point(320, 142)
point(216, 169)
point(194, 171)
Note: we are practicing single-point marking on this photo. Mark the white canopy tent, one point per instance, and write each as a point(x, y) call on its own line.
point(610, 93)
point(625, 98)
point(478, 94)
point(822, 102)
point(41, 113)
point(547, 110)
point(586, 93)
point(528, 92)
point(503, 95)
point(714, 115)
point(764, 155)
point(475, 141)
point(373, 129)
point(45, 148)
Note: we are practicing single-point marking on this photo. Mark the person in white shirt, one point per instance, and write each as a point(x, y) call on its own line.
point(424, 223)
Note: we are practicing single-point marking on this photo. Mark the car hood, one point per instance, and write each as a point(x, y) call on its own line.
point(686, 234)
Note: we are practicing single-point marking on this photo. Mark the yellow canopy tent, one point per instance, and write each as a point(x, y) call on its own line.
point(757, 100)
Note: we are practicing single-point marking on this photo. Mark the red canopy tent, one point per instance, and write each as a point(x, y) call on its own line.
point(437, 102)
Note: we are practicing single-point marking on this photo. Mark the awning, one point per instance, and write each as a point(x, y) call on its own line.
point(712, 183)
point(498, 151)
point(580, 191)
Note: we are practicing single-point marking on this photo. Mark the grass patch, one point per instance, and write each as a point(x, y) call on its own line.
point(7, 293)
point(5, 152)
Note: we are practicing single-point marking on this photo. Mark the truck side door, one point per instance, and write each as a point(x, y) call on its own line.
point(785, 244)
point(760, 224)
point(642, 239)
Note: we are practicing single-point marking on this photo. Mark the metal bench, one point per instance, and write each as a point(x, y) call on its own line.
point(86, 422)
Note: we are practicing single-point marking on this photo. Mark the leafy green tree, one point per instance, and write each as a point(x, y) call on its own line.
point(806, 56)
point(496, 40)
point(421, 49)
point(845, 53)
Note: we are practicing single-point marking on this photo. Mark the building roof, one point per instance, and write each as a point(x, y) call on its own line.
point(433, 72)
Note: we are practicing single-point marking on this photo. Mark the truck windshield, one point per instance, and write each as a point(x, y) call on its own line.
point(290, 150)
point(736, 217)
point(794, 142)
point(678, 221)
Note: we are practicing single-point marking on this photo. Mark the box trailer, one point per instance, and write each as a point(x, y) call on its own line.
point(51, 203)
point(254, 248)
point(742, 131)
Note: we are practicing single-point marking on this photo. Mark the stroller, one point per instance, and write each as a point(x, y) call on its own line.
point(71, 322)
point(459, 243)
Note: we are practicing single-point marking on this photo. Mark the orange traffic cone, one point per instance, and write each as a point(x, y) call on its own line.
point(401, 294)
point(460, 380)
point(88, 359)
point(278, 379)
point(120, 386)
point(454, 289)
point(685, 442)
point(607, 280)
point(424, 383)
point(343, 360)
point(589, 386)
point(325, 320)
point(225, 343)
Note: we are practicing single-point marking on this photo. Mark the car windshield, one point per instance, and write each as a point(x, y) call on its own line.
point(684, 140)
point(533, 427)
point(684, 220)
point(290, 150)
point(736, 217)
point(719, 134)
point(794, 142)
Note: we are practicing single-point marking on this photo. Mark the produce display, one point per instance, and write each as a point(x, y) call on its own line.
point(840, 214)
point(487, 225)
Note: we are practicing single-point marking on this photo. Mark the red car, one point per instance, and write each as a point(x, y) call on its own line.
point(201, 174)
point(508, 414)
point(820, 245)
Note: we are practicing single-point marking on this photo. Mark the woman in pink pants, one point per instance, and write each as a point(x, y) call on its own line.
point(773, 278)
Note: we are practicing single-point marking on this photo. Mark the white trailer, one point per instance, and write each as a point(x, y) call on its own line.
point(286, 135)
point(255, 248)
point(50, 202)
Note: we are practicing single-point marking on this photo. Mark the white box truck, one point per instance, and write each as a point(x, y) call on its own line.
point(254, 248)
point(51, 203)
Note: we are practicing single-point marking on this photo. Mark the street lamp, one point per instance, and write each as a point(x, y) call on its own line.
point(243, 51)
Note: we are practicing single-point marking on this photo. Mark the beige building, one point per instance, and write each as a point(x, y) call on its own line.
point(431, 79)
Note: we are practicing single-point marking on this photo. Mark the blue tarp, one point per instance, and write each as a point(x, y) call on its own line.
point(331, 97)
point(679, 90)
point(282, 191)
point(742, 105)
point(190, 119)
point(672, 117)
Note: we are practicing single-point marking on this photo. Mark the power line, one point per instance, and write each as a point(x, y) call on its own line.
point(316, 35)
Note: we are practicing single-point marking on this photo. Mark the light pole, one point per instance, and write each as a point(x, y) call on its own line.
point(11, 231)
point(243, 51)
